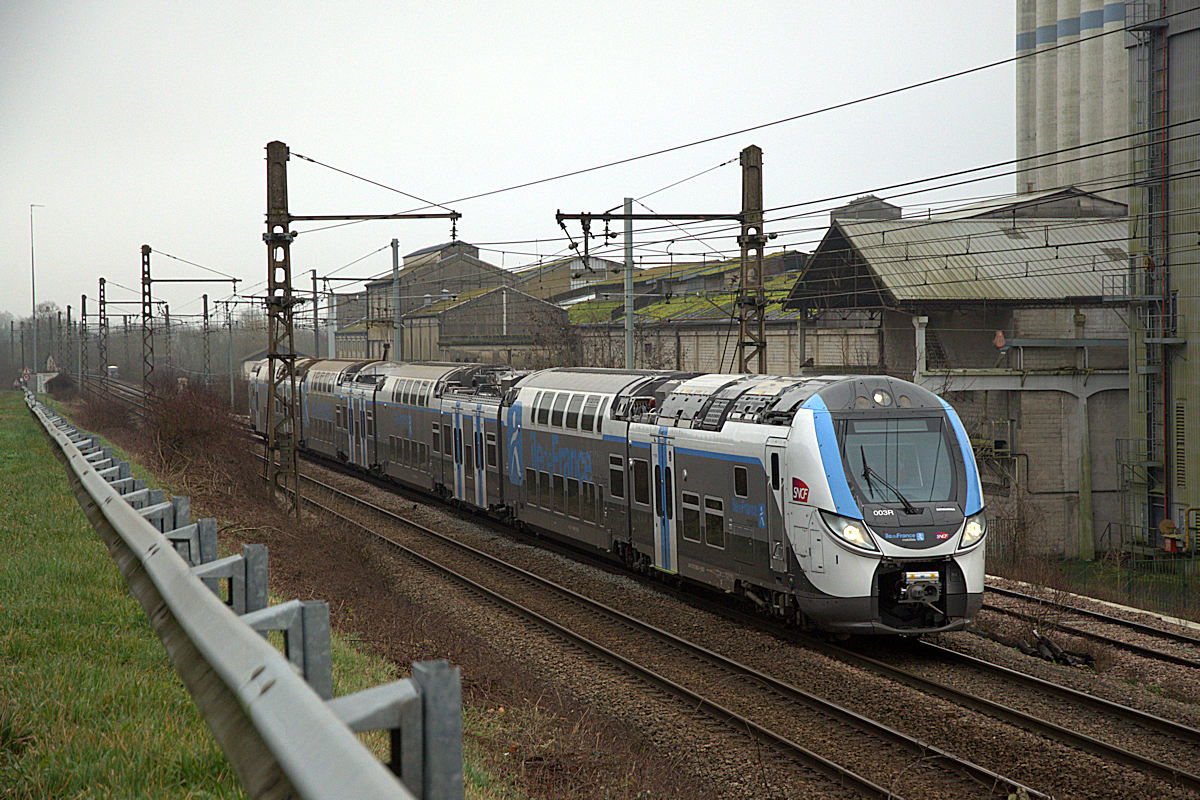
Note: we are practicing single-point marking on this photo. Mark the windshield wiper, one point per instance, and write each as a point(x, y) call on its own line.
point(868, 473)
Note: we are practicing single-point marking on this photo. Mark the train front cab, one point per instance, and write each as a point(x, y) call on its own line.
point(884, 514)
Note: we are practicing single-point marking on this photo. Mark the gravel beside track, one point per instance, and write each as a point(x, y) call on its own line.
point(1034, 760)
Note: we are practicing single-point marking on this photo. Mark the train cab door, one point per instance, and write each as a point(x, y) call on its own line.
point(777, 503)
point(662, 468)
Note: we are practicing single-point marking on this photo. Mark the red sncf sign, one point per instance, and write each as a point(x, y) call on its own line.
point(799, 491)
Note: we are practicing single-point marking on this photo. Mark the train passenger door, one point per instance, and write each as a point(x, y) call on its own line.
point(662, 465)
point(476, 467)
point(361, 424)
point(777, 503)
point(460, 489)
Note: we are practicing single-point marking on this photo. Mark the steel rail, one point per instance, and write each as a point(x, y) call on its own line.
point(1140, 627)
point(1013, 716)
point(1141, 650)
point(983, 776)
point(280, 737)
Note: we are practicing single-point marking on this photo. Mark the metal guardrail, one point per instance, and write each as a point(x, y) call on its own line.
point(280, 734)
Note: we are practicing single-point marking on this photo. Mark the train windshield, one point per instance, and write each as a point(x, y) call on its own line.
point(899, 460)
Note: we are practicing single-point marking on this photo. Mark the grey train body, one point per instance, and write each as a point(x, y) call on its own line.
point(847, 503)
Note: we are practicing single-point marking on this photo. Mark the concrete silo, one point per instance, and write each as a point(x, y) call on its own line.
point(1027, 93)
point(1115, 166)
point(1067, 107)
point(1046, 141)
point(1091, 93)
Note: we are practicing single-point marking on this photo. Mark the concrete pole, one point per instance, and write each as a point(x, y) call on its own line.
point(396, 354)
point(316, 318)
point(1087, 524)
point(628, 283)
point(919, 323)
point(229, 322)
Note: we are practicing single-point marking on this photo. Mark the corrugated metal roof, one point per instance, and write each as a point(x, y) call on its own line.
point(991, 259)
point(688, 307)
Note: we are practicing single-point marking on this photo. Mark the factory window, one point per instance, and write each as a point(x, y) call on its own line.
point(587, 418)
point(741, 483)
point(573, 497)
point(437, 446)
point(616, 476)
point(689, 516)
point(641, 481)
point(491, 450)
point(714, 522)
point(559, 494)
point(556, 414)
point(573, 411)
point(543, 407)
point(530, 485)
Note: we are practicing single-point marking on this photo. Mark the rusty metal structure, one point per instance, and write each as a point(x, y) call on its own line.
point(751, 302)
point(282, 409)
point(102, 333)
point(147, 328)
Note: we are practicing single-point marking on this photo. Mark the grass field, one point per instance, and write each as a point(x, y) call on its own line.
point(91, 705)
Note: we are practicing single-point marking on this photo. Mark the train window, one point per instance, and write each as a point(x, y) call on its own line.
point(478, 450)
point(658, 490)
point(543, 407)
point(468, 458)
point(424, 455)
point(573, 497)
point(447, 442)
point(668, 494)
point(406, 450)
point(544, 489)
point(559, 492)
point(573, 411)
point(600, 413)
point(714, 522)
point(587, 500)
point(530, 485)
point(491, 450)
point(774, 470)
point(556, 413)
point(458, 445)
point(370, 423)
point(641, 481)
point(587, 418)
point(437, 445)
point(616, 476)
point(741, 483)
point(689, 516)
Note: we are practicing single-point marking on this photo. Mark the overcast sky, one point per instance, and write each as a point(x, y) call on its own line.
point(146, 123)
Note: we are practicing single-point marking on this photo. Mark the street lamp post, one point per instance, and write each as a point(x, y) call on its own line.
point(33, 291)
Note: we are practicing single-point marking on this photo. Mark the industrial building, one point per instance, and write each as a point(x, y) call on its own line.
point(1000, 310)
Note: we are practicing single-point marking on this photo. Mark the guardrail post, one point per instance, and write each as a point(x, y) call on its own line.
point(441, 712)
point(305, 626)
point(247, 576)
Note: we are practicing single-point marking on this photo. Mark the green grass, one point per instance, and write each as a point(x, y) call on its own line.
point(91, 704)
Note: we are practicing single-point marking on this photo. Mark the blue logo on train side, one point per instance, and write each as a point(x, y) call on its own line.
point(569, 462)
point(757, 510)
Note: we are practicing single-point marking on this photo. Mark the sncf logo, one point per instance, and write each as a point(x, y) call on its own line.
point(799, 491)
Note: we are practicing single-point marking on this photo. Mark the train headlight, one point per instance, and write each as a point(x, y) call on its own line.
point(973, 531)
point(850, 531)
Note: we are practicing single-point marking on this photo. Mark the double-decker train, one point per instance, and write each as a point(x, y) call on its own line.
point(847, 503)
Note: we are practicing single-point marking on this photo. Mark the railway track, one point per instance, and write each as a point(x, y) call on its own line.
point(748, 699)
point(1168, 646)
point(1153, 735)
